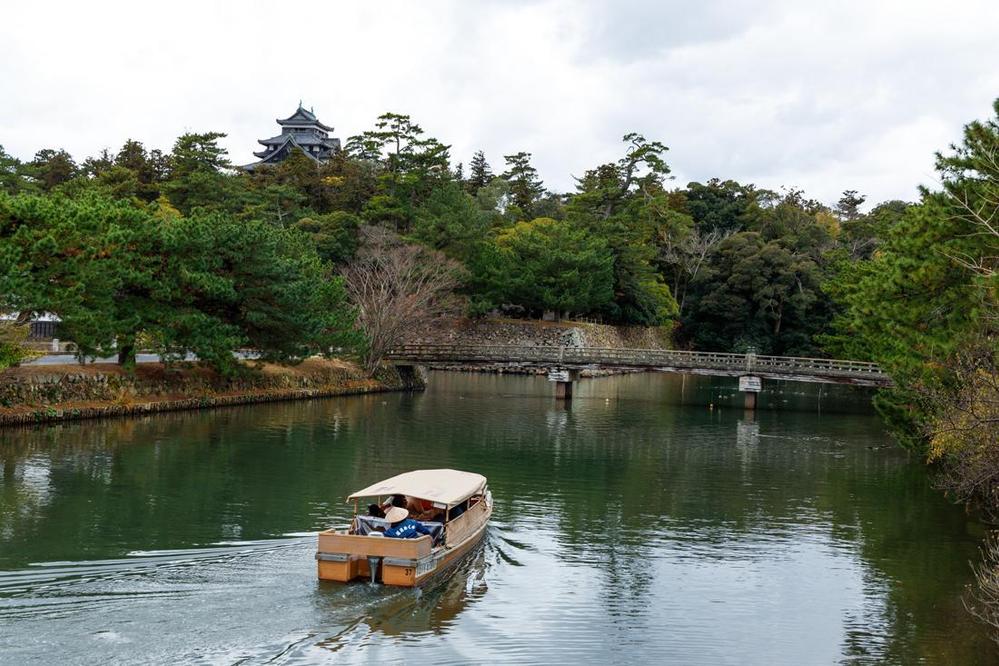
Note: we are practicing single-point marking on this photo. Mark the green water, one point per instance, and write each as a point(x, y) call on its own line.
point(636, 526)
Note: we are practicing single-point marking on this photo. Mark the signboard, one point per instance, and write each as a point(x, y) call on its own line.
point(750, 383)
point(558, 375)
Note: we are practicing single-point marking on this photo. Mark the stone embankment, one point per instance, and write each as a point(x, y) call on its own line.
point(38, 394)
point(519, 332)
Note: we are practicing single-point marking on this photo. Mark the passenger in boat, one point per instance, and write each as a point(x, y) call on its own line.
point(424, 510)
point(395, 500)
point(375, 511)
point(401, 526)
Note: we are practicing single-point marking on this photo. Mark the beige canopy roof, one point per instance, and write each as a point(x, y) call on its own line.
point(447, 486)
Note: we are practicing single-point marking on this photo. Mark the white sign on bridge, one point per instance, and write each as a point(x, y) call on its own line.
point(750, 384)
point(558, 375)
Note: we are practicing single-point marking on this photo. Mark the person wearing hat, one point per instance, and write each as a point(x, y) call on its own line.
point(401, 526)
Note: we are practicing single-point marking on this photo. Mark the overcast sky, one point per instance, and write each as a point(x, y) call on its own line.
point(825, 96)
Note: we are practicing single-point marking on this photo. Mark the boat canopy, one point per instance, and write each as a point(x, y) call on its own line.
point(446, 486)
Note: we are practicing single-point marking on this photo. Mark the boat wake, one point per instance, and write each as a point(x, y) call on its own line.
point(55, 588)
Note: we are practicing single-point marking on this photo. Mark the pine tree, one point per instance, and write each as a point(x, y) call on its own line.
point(525, 185)
point(480, 173)
point(848, 206)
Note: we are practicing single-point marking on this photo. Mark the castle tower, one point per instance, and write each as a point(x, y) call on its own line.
point(300, 130)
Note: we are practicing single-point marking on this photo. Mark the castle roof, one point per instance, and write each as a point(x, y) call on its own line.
point(303, 118)
point(291, 140)
point(306, 139)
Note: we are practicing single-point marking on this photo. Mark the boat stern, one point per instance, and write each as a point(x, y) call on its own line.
point(343, 557)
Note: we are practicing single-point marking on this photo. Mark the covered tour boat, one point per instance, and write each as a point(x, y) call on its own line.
point(457, 506)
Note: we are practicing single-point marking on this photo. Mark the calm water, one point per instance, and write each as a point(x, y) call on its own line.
point(628, 528)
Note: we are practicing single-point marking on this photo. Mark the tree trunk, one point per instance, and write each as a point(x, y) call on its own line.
point(126, 352)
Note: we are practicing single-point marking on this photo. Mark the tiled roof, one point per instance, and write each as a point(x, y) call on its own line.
point(303, 117)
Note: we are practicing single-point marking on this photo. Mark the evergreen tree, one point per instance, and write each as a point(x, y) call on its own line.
point(52, 167)
point(450, 220)
point(196, 176)
point(203, 283)
point(525, 185)
point(411, 166)
point(615, 202)
point(99, 164)
point(11, 173)
point(848, 206)
point(480, 174)
point(335, 235)
point(543, 265)
point(930, 288)
point(726, 206)
point(755, 293)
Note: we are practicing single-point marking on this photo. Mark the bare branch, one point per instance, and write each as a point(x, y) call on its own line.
point(397, 287)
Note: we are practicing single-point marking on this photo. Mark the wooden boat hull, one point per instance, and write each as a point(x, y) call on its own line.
point(343, 557)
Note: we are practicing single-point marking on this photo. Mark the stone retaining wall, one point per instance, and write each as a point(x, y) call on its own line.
point(540, 333)
point(31, 395)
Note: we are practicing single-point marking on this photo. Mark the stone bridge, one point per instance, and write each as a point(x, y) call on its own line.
point(564, 364)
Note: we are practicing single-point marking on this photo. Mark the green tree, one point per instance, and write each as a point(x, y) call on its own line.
point(285, 192)
point(204, 283)
point(13, 349)
point(622, 202)
point(12, 178)
point(411, 166)
point(723, 205)
point(132, 173)
point(862, 234)
point(848, 206)
point(526, 187)
point(348, 183)
point(450, 220)
point(196, 175)
point(929, 290)
point(643, 162)
point(335, 235)
point(51, 168)
point(756, 293)
point(543, 265)
point(95, 165)
point(74, 258)
point(247, 284)
point(480, 173)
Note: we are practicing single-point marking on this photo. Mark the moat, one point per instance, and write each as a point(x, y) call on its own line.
point(635, 524)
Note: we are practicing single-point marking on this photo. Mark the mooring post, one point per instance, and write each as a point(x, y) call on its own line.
point(750, 385)
point(563, 379)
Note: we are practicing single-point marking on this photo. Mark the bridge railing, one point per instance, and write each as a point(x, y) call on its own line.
point(650, 358)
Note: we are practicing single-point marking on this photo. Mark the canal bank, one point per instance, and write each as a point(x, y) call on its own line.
point(42, 394)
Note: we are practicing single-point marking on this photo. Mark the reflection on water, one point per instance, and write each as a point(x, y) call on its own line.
point(635, 524)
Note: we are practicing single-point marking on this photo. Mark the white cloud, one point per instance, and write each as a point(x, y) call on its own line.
point(823, 96)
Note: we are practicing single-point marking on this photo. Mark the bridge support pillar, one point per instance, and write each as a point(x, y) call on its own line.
point(750, 386)
point(413, 377)
point(563, 380)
